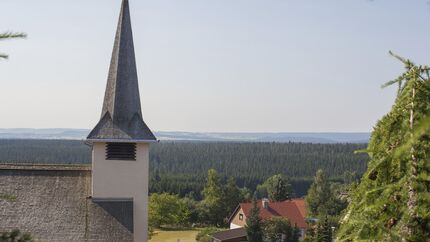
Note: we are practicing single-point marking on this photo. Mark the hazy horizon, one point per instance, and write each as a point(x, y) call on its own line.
point(282, 137)
point(185, 131)
point(218, 66)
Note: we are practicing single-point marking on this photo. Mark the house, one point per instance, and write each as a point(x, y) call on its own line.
point(294, 210)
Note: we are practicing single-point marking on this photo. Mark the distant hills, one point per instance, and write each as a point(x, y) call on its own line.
point(302, 137)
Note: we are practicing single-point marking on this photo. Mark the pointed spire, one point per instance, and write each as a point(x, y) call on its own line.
point(121, 117)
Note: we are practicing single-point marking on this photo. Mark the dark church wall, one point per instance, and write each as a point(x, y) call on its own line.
point(52, 203)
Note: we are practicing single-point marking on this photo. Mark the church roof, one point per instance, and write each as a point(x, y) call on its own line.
point(121, 119)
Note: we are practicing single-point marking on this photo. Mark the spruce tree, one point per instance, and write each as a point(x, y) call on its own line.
point(392, 202)
point(253, 226)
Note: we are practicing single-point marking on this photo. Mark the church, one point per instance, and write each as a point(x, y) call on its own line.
point(107, 201)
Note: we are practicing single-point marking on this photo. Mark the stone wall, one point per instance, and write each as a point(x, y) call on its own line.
point(52, 203)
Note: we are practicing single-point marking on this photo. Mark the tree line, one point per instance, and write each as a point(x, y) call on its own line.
point(180, 167)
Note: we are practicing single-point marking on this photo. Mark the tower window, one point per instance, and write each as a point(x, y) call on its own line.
point(120, 151)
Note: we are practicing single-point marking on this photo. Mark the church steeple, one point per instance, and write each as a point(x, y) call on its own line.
point(120, 141)
point(121, 118)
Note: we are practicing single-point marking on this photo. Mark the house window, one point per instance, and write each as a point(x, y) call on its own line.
point(120, 151)
point(240, 216)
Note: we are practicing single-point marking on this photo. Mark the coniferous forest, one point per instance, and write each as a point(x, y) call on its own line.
point(181, 167)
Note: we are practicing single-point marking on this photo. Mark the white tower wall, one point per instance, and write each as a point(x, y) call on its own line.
point(124, 179)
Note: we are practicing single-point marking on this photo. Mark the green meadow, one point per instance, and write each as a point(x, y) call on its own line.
point(174, 236)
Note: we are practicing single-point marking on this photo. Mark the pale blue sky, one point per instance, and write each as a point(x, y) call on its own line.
point(212, 65)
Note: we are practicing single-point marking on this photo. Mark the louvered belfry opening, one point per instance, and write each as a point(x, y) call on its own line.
point(120, 151)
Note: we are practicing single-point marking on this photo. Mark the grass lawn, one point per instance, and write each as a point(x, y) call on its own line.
point(174, 235)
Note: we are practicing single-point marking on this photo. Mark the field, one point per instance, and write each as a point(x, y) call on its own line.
point(174, 236)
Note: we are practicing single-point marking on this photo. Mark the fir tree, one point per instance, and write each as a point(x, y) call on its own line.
point(253, 226)
point(392, 202)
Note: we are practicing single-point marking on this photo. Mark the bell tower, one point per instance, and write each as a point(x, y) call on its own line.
point(120, 140)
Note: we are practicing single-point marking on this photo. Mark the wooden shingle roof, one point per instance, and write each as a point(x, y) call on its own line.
point(121, 119)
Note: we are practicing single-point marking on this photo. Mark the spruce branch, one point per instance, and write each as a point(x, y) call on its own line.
point(12, 35)
point(407, 62)
point(361, 151)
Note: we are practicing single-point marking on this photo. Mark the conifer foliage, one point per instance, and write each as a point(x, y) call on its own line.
point(10, 35)
point(392, 202)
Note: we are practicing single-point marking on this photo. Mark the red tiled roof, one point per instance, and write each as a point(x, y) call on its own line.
point(294, 210)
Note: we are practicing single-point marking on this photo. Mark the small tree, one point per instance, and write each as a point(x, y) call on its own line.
point(213, 199)
point(166, 209)
point(318, 195)
point(253, 226)
point(277, 187)
point(245, 194)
